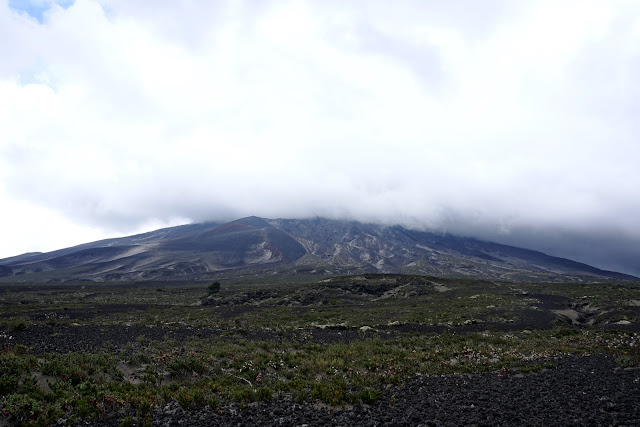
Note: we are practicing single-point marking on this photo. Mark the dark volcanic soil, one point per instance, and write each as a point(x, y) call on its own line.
point(585, 391)
point(64, 338)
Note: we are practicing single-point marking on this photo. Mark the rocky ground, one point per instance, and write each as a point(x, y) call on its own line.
point(581, 390)
point(585, 391)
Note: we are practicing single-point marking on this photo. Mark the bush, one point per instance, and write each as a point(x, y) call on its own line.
point(330, 392)
point(213, 288)
point(190, 398)
point(241, 394)
point(369, 396)
point(213, 402)
point(186, 366)
point(264, 394)
point(17, 324)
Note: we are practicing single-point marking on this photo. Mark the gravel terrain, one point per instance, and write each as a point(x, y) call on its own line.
point(581, 390)
point(585, 391)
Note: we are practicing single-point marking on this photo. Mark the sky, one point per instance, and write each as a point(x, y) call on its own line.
point(511, 121)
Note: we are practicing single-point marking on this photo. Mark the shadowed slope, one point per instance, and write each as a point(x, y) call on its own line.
point(290, 247)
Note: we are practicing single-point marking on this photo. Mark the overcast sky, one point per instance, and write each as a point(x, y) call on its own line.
point(514, 121)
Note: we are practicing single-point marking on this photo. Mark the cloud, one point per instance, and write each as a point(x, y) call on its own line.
point(487, 119)
point(38, 9)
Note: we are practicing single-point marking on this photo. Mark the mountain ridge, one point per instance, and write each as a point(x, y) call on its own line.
point(292, 247)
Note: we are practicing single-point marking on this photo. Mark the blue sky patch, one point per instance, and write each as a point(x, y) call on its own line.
point(37, 8)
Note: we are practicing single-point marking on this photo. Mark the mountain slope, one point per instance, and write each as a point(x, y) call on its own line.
point(376, 248)
point(291, 247)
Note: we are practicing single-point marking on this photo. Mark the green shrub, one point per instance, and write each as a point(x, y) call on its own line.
point(213, 402)
point(189, 398)
point(8, 383)
point(12, 368)
point(264, 394)
point(242, 394)
point(186, 366)
point(17, 324)
point(139, 358)
point(369, 395)
point(332, 392)
point(213, 288)
point(26, 410)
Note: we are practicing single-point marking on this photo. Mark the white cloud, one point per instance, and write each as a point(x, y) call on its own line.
point(498, 117)
point(27, 227)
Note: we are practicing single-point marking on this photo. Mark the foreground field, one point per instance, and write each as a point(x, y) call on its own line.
point(387, 349)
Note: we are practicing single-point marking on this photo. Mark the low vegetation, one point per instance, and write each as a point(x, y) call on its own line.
point(340, 341)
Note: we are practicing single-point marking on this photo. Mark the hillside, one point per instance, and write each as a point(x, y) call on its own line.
point(289, 247)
